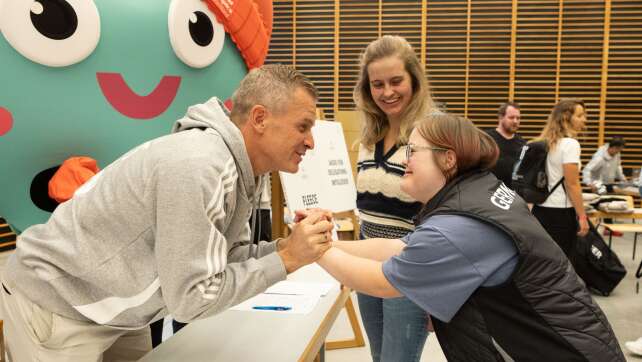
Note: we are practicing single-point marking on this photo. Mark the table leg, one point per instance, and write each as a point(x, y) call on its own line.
point(320, 357)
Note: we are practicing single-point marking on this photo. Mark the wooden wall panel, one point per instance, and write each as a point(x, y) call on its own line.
point(314, 47)
point(402, 18)
point(281, 43)
point(624, 91)
point(490, 37)
point(446, 38)
point(581, 63)
point(536, 62)
point(359, 25)
point(480, 52)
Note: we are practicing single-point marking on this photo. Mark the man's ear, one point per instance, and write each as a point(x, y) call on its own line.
point(257, 117)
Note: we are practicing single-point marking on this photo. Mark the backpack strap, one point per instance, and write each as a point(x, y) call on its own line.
point(557, 185)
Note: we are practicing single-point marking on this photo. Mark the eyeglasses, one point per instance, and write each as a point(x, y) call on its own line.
point(410, 148)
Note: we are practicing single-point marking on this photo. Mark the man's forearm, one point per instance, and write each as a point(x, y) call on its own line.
point(241, 252)
point(237, 283)
point(589, 169)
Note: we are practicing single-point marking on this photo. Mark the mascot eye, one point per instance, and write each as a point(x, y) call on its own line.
point(54, 33)
point(54, 19)
point(195, 34)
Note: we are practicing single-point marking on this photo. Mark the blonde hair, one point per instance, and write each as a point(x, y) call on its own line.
point(559, 123)
point(474, 149)
point(376, 125)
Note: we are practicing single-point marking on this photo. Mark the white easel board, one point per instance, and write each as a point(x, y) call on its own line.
point(325, 176)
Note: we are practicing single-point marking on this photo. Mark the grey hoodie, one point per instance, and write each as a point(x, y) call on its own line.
point(163, 229)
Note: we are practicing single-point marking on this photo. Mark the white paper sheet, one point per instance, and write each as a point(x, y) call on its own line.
point(300, 288)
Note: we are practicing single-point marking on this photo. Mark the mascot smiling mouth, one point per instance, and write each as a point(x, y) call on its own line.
point(132, 105)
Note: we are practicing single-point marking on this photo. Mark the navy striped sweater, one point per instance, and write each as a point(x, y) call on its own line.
point(384, 210)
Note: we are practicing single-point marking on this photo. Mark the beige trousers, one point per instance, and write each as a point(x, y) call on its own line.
point(35, 334)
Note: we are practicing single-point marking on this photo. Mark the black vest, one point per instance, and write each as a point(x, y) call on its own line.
point(543, 312)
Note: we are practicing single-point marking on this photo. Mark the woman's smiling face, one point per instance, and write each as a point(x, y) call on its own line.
point(423, 177)
point(390, 86)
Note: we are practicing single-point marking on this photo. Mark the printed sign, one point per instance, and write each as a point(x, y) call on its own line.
point(325, 176)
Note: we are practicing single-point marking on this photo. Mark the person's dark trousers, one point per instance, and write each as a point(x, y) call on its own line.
point(561, 224)
point(157, 332)
point(264, 215)
point(177, 326)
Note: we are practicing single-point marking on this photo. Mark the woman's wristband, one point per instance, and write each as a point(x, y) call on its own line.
point(582, 217)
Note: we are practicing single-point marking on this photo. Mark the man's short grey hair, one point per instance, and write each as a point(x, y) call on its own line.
point(272, 86)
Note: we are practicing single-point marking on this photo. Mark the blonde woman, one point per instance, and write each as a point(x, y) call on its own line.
point(495, 284)
point(562, 214)
point(391, 94)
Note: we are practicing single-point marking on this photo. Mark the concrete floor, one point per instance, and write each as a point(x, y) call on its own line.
point(623, 309)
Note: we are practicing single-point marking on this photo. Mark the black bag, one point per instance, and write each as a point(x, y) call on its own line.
point(529, 178)
point(596, 264)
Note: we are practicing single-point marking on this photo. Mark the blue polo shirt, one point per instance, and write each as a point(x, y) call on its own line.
point(446, 259)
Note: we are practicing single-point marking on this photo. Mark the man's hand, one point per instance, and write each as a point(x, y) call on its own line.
point(302, 214)
point(308, 241)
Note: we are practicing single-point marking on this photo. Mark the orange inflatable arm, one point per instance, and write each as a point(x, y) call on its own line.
point(74, 172)
point(249, 23)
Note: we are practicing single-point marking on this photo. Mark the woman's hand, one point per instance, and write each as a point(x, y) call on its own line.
point(584, 226)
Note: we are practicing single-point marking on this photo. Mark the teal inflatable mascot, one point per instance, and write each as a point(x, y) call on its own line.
point(97, 77)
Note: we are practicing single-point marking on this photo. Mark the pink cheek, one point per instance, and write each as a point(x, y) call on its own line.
point(6, 121)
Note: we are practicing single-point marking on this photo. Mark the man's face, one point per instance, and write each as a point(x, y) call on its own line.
point(288, 134)
point(614, 150)
point(510, 122)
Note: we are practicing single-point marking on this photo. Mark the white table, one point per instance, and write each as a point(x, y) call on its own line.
point(239, 336)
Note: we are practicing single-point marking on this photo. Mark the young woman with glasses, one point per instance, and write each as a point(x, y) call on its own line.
point(495, 284)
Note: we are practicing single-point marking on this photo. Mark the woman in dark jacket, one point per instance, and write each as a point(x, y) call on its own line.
point(495, 284)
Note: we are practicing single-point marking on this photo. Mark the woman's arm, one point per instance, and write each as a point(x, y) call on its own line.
point(363, 275)
point(574, 191)
point(375, 249)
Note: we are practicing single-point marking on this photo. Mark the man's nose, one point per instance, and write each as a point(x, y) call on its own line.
point(309, 141)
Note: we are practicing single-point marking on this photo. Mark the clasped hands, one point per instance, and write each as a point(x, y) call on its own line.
point(310, 238)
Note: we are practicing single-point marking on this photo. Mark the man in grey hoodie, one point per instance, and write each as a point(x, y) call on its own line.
point(164, 229)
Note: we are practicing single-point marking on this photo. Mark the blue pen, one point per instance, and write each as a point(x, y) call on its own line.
point(271, 307)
